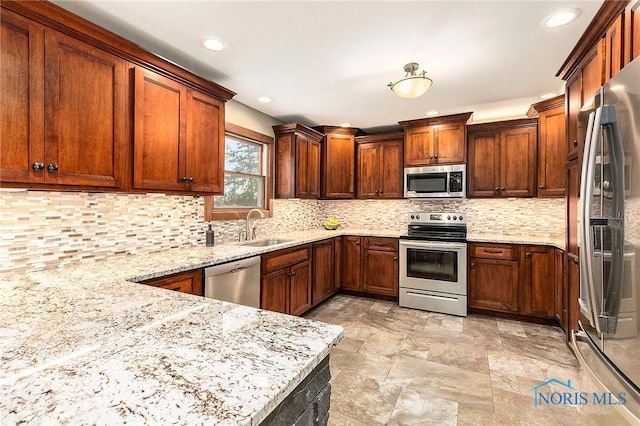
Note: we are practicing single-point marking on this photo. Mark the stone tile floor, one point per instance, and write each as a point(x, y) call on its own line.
point(399, 366)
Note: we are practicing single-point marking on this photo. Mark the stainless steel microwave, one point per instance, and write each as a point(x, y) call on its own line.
point(435, 181)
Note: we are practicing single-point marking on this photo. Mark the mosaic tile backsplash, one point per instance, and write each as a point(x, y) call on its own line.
point(43, 230)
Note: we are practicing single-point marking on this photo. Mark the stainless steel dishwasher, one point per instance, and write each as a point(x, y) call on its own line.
point(236, 282)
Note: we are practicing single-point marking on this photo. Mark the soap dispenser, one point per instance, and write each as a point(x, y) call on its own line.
point(210, 237)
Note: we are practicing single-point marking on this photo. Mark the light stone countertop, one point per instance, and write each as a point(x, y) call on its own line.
point(85, 344)
point(558, 241)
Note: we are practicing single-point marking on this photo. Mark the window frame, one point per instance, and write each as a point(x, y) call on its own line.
point(211, 213)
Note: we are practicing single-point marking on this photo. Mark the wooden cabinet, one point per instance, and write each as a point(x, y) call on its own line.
point(184, 282)
point(513, 279)
point(379, 166)
point(502, 159)
point(324, 271)
point(573, 293)
point(338, 164)
point(337, 262)
point(286, 280)
point(538, 281)
point(494, 274)
point(178, 136)
point(561, 297)
point(613, 51)
point(297, 161)
point(631, 41)
point(573, 103)
point(552, 151)
point(370, 265)
point(436, 140)
point(59, 95)
point(380, 266)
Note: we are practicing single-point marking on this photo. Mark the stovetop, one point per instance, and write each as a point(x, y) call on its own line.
point(440, 226)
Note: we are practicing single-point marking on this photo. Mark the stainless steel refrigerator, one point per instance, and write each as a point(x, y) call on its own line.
point(608, 341)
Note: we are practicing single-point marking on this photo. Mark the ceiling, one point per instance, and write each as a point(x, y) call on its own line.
point(325, 63)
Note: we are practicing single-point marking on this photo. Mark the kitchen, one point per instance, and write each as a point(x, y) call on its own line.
point(59, 229)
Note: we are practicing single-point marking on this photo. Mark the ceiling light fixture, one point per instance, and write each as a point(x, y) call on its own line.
point(432, 113)
point(345, 125)
point(213, 43)
point(264, 99)
point(561, 18)
point(546, 96)
point(412, 85)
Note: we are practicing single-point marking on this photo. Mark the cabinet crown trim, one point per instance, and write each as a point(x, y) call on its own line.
point(445, 119)
point(297, 127)
point(337, 130)
point(500, 125)
point(545, 105)
point(381, 137)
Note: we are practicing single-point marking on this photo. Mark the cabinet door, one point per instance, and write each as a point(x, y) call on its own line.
point(593, 71)
point(339, 170)
point(614, 54)
point(313, 169)
point(573, 293)
point(573, 103)
point(391, 172)
point(419, 146)
point(493, 284)
point(484, 161)
point(561, 286)
point(380, 272)
point(518, 162)
point(351, 267)
point(552, 153)
point(303, 188)
point(631, 31)
point(184, 282)
point(368, 166)
point(285, 163)
point(450, 141)
point(22, 106)
point(538, 283)
point(573, 194)
point(337, 262)
point(205, 143)
point(300, 288)
point(159, 132)
point(274, 291)
point(85, 110)
point(323, 283)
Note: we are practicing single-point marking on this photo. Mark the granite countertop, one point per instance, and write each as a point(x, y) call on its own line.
point(85, 345)
point(554, 240)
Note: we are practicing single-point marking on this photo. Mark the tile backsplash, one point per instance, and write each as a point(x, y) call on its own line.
point(43, 230)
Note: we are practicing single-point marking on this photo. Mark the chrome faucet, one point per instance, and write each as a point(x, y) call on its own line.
point(251, 234)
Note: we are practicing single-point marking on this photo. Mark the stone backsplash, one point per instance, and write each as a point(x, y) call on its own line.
point(43, 230)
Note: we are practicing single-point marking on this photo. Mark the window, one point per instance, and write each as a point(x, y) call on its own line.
point(247, 175)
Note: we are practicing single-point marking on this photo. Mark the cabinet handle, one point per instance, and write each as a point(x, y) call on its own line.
point(183, 179)
point(435, 156)
point(491, 251)
point(395, 258)
point(527, 254)
point(377, 191)
point(502, 189)
point(473, 264)
point(190, 179)
point(291, 274)
point(38, 166)
point(357, 243)
point(431, 157)
point(381, 192)
point(53, 167)
point(540, 186)
point(309, 191)
point(497, 189)
point(575, 143)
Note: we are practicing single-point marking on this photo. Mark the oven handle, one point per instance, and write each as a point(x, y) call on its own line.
point(433, 244)
point(430, 296)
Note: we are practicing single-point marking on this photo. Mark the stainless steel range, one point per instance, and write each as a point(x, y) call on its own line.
point(433, 263)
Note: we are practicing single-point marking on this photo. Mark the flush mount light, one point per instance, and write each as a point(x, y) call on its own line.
point(412, 85)
point(345, 125)
point(432, 113)
point(213, 43)
point(547, 96)
point(264, 99)
point(561, 17)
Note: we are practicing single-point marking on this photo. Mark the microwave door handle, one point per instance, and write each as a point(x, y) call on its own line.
point(613, 296)
point(586, 203)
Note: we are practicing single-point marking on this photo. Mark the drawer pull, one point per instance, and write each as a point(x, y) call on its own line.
point(491, 251)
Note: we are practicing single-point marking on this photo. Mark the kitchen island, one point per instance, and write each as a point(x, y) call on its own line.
point(86, 345)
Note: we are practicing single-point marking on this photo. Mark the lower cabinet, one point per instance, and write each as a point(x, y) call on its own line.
point(370, 265)
point(518, 279)
point(324, 270)
point(286, 280)
point(185, 282)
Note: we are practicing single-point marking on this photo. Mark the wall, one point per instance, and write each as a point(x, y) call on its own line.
point(43, 230)
point(249, 118)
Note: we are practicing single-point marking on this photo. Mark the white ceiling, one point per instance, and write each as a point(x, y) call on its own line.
point(325, 63)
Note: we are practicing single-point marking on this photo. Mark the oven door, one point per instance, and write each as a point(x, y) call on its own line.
point(434, 265)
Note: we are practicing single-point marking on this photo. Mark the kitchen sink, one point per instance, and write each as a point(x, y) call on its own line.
point(266, 243)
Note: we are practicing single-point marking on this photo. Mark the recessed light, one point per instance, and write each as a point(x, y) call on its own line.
point(432, 113)
point(562, 17)
point(264, 99)
point(547, 96)
point(213, 43)
point(345, 125)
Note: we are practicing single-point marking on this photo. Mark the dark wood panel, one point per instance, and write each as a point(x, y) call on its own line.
point(324, 274)
point(284, 258)
point(614, 53)
point(274, 291)
point(494, 251)
point(451, 143)
point(368, 167)
point(338, 169)
point(419, 146)
point(337, 262)
point(484, 161)
point(538, 283)
point(518, 162)
point(380, 272)
point(185, 282)
point(552, 152)
point(573, 103)
point(391, 170)
point(285, 166)
point(493, 284)
point(351, 265)
point(300, 288)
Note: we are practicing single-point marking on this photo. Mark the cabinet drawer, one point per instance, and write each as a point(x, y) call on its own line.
point(284, 258)
point(185, 282)
point(494, 251)
point(381, 243)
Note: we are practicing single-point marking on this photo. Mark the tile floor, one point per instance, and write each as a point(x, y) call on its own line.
point(399, 366)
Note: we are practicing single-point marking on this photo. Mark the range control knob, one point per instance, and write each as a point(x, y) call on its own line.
point(455, 218)
point(449, 217)
point(460, 218)
point(413, 217)
point(418, 217)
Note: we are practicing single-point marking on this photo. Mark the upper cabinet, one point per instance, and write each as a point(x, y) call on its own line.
point(60, 96)
point(178, 136)
point(338, 162)
point(69, 93)
point(502, 159)
point(437, 140)
point(379, 161)
point(297, 158)
point(551, 146)
point(631, 39)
